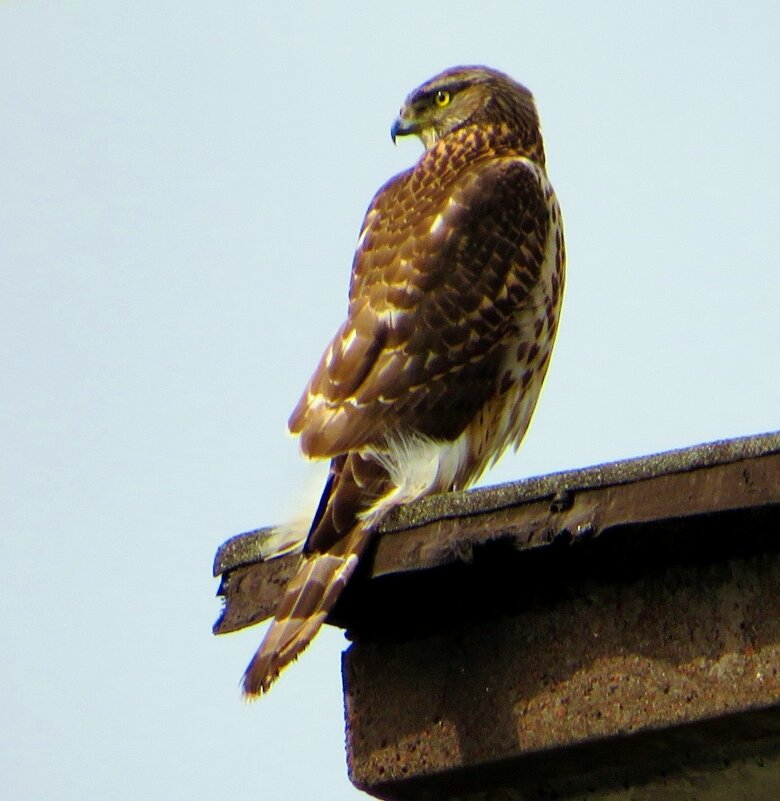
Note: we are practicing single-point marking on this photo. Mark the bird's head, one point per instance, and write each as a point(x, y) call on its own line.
point(463, 96)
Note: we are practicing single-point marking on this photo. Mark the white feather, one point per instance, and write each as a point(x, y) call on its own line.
point(417, 466)
point(286, 538)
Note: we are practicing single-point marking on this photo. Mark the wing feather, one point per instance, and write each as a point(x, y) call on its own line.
point(443, 266)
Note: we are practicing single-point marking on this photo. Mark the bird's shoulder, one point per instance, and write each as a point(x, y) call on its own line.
point(454, 189)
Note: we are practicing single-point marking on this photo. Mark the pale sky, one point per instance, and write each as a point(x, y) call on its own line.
point(181, 187)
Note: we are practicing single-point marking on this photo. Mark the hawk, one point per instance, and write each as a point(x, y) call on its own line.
point(453, 307)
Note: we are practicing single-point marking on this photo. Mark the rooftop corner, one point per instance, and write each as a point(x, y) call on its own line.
point(611, 632)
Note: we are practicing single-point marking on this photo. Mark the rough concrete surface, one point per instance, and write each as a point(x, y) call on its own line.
point(749, 778)
point(608, 633)
point(610, 661)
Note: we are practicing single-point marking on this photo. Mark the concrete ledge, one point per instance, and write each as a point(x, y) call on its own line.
point(576, 504)
point(610, 633)
point(599, 689)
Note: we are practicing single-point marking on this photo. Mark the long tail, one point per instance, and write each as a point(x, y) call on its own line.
point(337, 540)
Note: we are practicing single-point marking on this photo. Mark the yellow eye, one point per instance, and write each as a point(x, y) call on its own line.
point(442, 98)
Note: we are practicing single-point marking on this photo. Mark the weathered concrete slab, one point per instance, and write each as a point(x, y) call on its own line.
point(604, 687)
point(609, 633)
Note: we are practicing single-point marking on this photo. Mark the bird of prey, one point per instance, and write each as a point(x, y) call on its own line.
point(454, 302)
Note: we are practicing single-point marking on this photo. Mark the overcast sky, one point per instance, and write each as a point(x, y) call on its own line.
point(181, 187)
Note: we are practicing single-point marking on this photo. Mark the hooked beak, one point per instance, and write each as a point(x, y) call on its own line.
point(404, 124)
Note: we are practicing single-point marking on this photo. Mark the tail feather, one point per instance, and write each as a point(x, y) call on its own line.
point(333, 550)
point(305, 605)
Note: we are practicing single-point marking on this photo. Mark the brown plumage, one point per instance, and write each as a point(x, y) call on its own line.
point(453, 307)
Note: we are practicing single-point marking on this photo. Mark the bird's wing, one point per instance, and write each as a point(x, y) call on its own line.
point(446, 256)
